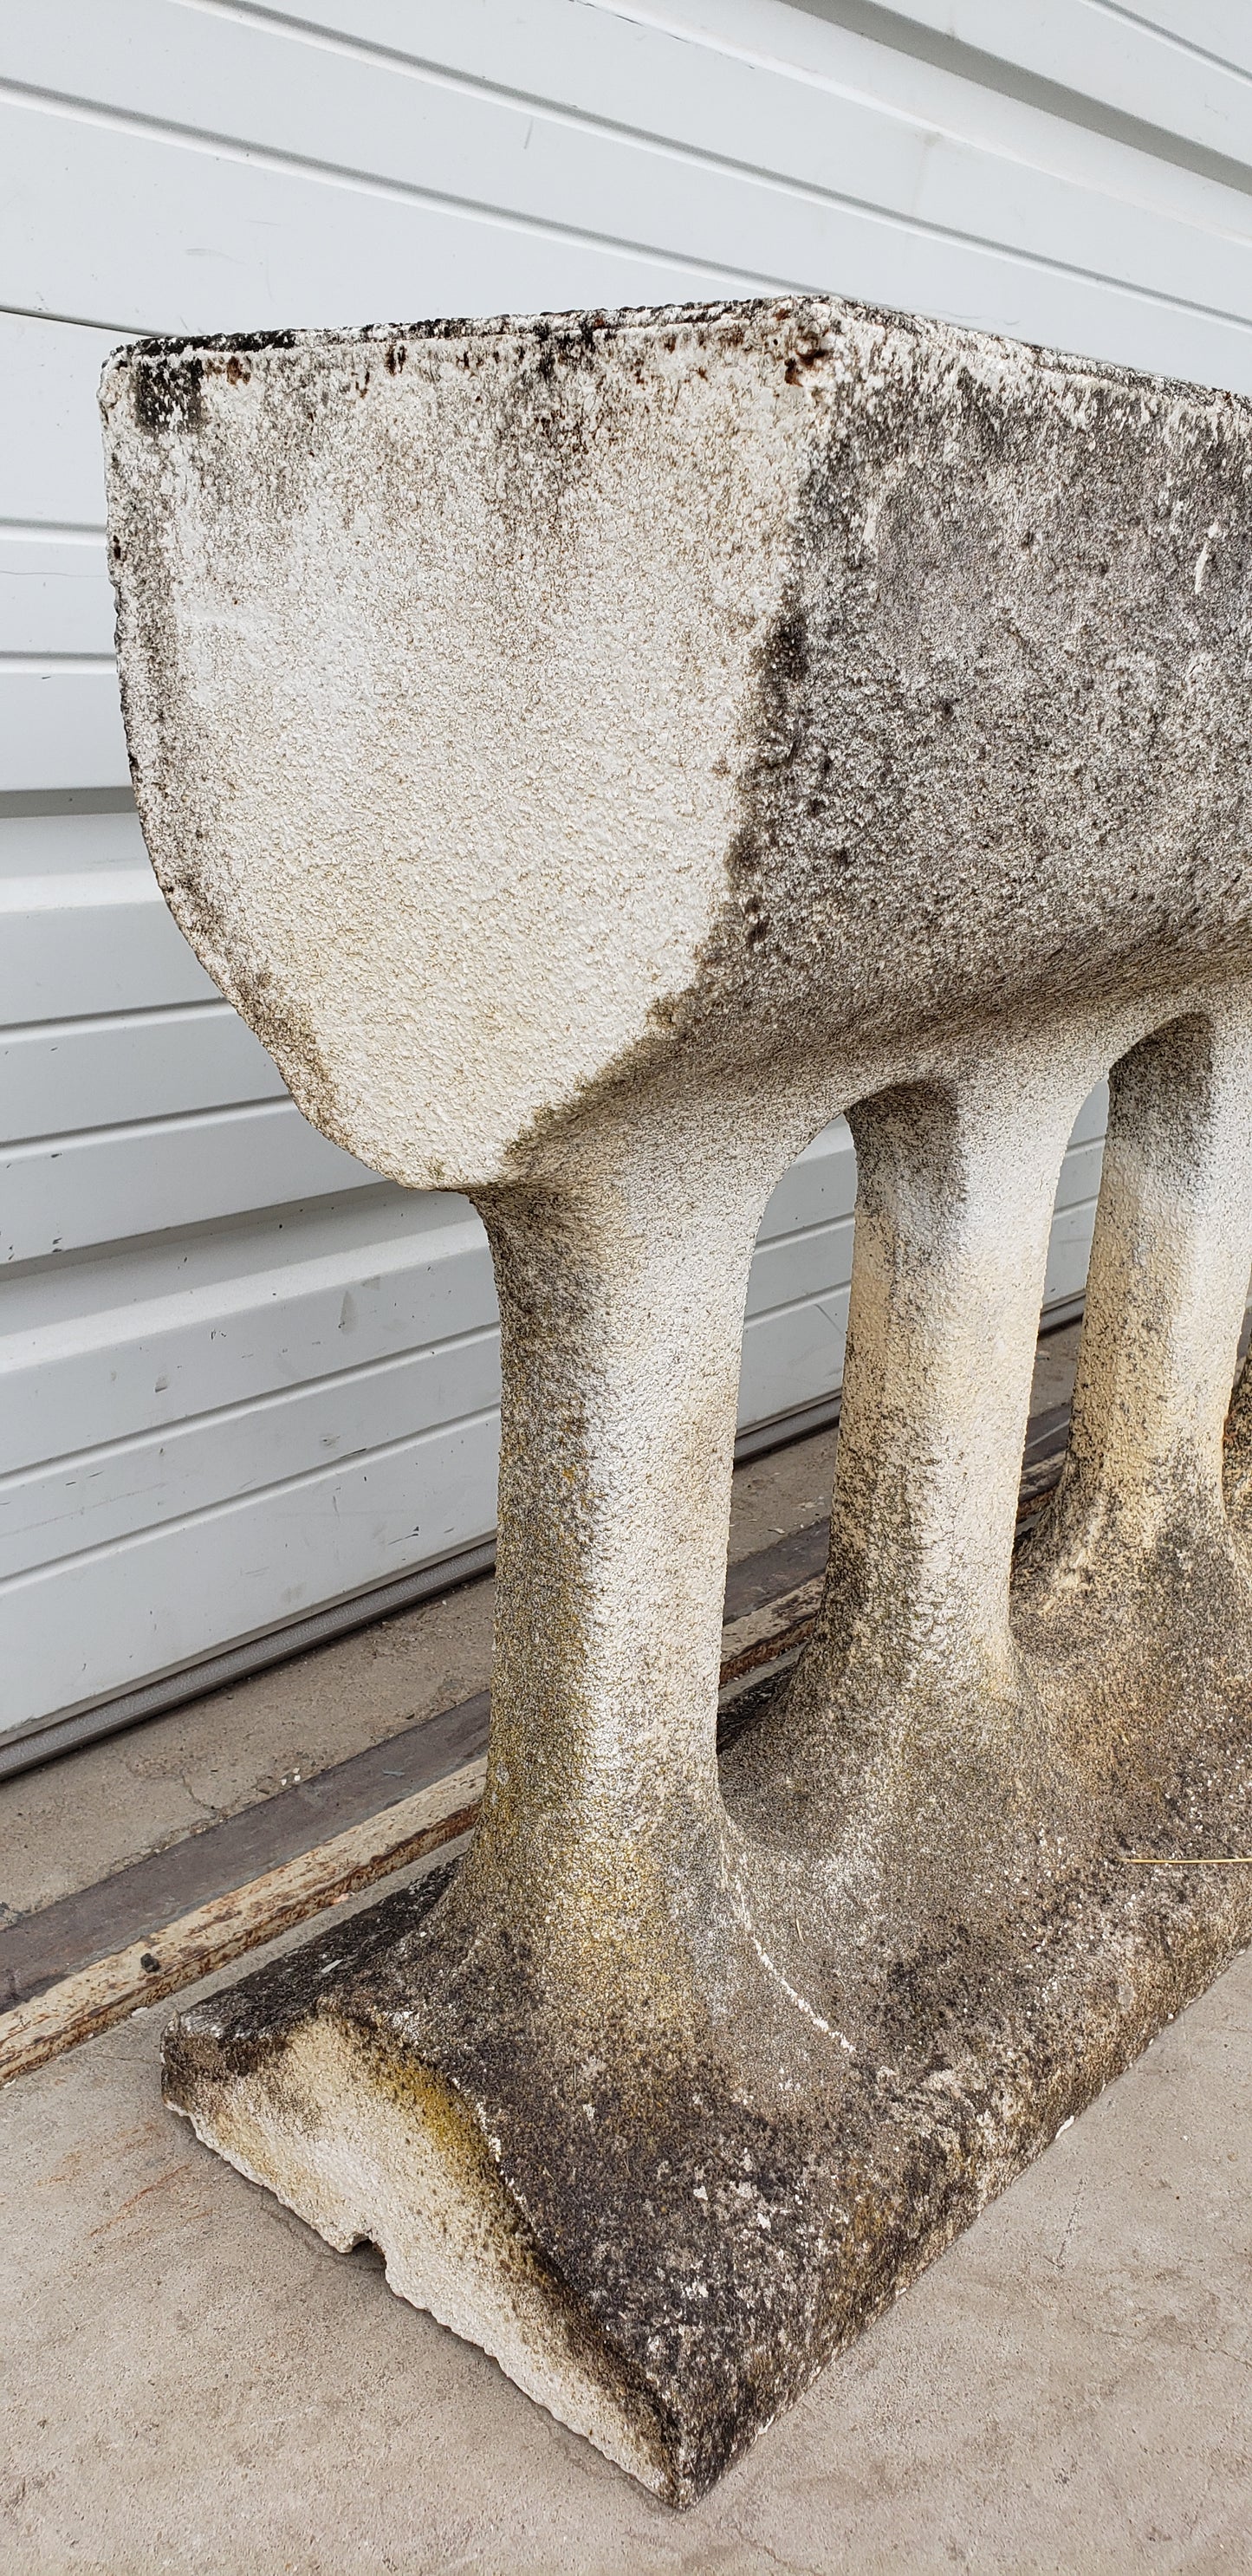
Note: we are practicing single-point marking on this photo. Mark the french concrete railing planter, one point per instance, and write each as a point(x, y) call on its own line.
point(591, 753)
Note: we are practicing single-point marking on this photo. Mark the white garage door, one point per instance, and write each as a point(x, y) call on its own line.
point(244, 1382)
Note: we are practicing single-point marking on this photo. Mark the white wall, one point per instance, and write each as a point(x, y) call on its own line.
point(241, 1377)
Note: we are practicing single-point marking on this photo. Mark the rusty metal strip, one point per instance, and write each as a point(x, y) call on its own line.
point(42, 1948)
point(212, 1935)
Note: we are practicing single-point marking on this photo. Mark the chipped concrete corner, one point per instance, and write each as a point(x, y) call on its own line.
point(592, 752)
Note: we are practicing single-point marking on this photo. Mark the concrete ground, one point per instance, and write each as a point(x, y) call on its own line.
point(191, 2380)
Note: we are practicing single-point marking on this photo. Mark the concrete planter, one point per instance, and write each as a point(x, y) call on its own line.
point(592, 753)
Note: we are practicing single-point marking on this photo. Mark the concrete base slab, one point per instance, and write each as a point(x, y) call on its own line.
point(189, 2382)
point(665, 2243)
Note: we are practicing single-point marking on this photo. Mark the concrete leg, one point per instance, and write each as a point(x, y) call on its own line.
point(1165, 1300)
point(910, 1740)
point(622, 1316)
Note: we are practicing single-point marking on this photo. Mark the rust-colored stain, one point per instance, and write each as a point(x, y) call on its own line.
point(200, 1943)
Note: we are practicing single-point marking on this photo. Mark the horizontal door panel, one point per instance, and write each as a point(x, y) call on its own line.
point(137, 1342)
point(1080, 1174)
point(75, 844)
point(806, 1263)
point(124, 1181)
point(797, 146)
point(820, 1184)
point(316, 1292)
point(51, 456)
point(645, 72)
point(793, 1360)
point(55, 594)
point(313, 1537)
point(335, 251)
point(1069, 1252)
point(75, 945)
point(83, 1502)
point(287, 248)
point(1122, 57)
point(60, 725)
point(139, 1065)
point(101, 1623)
point(1217, 30)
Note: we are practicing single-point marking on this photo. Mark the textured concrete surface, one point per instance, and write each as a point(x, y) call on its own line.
point(191, 2381)
point(788, 638)
point(591, 751)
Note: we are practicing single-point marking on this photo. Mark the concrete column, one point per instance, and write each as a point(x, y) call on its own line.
point(1166, 1291)
point(1237, 1477)
point(909, 1740)
point(622, 1287)
point(956, 1188)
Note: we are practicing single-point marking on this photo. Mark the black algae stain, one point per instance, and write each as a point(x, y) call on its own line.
point(245, 343)
point(169, 394)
